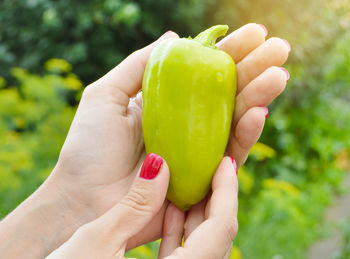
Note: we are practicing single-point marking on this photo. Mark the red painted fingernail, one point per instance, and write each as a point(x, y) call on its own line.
point(288, 45)
point(151, 166)
point(234, 164)
point(287, 73)
point(264, 28)
point(266, 112)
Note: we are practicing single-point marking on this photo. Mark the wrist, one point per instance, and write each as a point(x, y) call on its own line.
point(67, 208)
point(41, 223)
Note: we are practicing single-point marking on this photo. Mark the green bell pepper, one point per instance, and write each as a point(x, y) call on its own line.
point(189, 89)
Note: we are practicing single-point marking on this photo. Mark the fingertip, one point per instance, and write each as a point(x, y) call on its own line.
point(169, 34)
point(289, 48)
point(259, 113)
point(266, 111)
point(287, 75)
point(151, 167)
point(264, 29)
point(258, 29)
point(165, 170)
point(258, 117)
point(234, 164)
point(280, 46)
point(226, 169)
point(279, 74)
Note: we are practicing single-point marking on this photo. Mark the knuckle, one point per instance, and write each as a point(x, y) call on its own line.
point(106, 91)
point(138, 200)
point(232, 228)
point(121, 96)
point(245, 100)
point(117, 95)
point(136, 53)
point(134, 57)
point(90, 91)
point(87, 231)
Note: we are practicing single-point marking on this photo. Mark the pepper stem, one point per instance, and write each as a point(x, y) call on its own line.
point(209, 36)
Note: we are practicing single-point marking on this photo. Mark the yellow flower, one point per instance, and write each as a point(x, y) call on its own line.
point(2, 82)
point(72, 82)
point(282, 186)
point(236, 253)
point(262, 151)
point(58, 65)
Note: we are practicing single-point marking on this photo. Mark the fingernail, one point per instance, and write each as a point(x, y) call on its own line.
point(288, 45)
point(151, 166)
point(287, 73)
point(264, 28)
point(266, 112)
point(234, 164)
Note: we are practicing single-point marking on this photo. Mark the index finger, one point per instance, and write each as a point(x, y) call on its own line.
point(127, 76)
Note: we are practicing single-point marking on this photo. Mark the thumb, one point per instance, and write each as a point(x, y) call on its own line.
point(127, 76)
point(144, 199)
point(108, 235)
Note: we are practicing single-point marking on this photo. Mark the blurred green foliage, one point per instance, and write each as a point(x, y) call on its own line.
point(35, 115)
point(344, 227)
point(287, 182)
point(92, 35)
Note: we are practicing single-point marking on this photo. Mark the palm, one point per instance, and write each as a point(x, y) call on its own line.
point(102, 151)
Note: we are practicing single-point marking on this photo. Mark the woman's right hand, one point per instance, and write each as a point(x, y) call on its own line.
point(210, 226)
point(208, 230)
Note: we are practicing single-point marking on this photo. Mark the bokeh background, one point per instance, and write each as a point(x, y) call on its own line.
point(50, 50)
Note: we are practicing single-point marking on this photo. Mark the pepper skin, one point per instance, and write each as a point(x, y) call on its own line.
point(189, 89)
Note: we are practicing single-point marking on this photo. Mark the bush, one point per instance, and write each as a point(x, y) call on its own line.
point(35, 117)
point(287, 182)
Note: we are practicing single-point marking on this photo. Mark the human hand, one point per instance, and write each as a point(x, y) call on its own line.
point(107, 236)
point(104, 147)
point(260, 81)
point(210, 226)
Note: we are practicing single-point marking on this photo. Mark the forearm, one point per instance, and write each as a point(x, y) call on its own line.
point(39, 225)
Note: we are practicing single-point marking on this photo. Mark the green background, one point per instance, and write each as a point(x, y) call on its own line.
point(50, 50)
